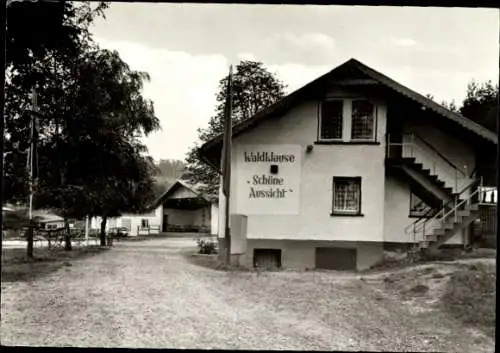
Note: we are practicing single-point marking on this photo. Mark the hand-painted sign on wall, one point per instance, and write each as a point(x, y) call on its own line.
point(268, 179)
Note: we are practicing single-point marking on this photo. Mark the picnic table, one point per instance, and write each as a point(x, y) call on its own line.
point(56, 238)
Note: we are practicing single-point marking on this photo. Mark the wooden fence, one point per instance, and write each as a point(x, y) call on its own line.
point(151, 230)
point(484, 230)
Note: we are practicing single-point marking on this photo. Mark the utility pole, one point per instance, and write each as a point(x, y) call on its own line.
point(226, 165)
point(3, 35)
point(32, 159)
point(31, 167)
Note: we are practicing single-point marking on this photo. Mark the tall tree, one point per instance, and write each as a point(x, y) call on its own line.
point(56, 31)
point(97, 150)
point(450, 106)
point(254, 88)
point(481, 104)
point(61, 26)
point(92, 117)
point(170, 169)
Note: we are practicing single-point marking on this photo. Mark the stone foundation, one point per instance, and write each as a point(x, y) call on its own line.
point(301, 255)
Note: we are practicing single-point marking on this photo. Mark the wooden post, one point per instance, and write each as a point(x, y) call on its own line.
point(87, 220)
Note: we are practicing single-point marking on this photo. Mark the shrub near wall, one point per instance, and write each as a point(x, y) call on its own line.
point(207, 246)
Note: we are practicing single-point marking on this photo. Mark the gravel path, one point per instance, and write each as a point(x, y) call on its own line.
point(148, 295)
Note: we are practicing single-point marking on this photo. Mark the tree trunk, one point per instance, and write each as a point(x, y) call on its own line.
point(29, 239)
point(103, 231)
point(67, 236)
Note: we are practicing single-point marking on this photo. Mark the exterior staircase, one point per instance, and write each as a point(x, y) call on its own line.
point(452, 195)
point(434, 192)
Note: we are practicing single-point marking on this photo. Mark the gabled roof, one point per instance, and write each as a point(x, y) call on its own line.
point(47, 216)
point(175, 186)
point(310, 89)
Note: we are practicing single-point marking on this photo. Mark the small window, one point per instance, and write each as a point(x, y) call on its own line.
point(144, 223)
point(347, 195)
point(331, 120)
point(418, 208)
point(363, 120)
point(267, 258)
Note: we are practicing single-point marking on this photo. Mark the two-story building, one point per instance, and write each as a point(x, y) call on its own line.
point(348, 164)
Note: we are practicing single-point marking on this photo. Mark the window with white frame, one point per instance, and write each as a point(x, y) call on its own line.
point(363, 120)
point(331, 120)
point(347, 195)
point(144, 223)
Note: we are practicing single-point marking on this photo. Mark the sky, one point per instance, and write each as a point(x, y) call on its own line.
point(187, 49)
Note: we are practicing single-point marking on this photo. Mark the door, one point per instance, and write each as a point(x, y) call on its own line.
point(165, 223)
point(342, 259)
point(394, 135)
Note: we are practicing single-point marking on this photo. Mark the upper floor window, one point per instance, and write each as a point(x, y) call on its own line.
point(331, 120)
point(363, 120)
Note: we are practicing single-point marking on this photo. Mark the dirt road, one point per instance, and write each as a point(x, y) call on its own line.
point(148, 294)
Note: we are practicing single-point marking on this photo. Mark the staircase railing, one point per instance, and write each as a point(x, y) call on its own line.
point(451, 207)
point(433, 211)
point(415, 136)
point(415, 143)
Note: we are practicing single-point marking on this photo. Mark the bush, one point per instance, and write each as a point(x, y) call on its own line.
point(470, 296)
point(207, 246)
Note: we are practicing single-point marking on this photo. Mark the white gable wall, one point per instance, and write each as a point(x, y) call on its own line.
point(182, 193)
point(313, 220)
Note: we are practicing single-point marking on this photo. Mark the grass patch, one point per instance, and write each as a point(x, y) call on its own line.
point(211, 261)
point(391, 262)
point(419, 289)
point(17, 267)
point(450, 254)
point(470, 296)
point(208, 261)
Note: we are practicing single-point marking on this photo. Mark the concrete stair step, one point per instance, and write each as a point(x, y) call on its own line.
point(464, 213)
point(431, 237)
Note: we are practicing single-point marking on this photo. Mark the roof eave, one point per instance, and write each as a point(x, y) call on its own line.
point(284, 104)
